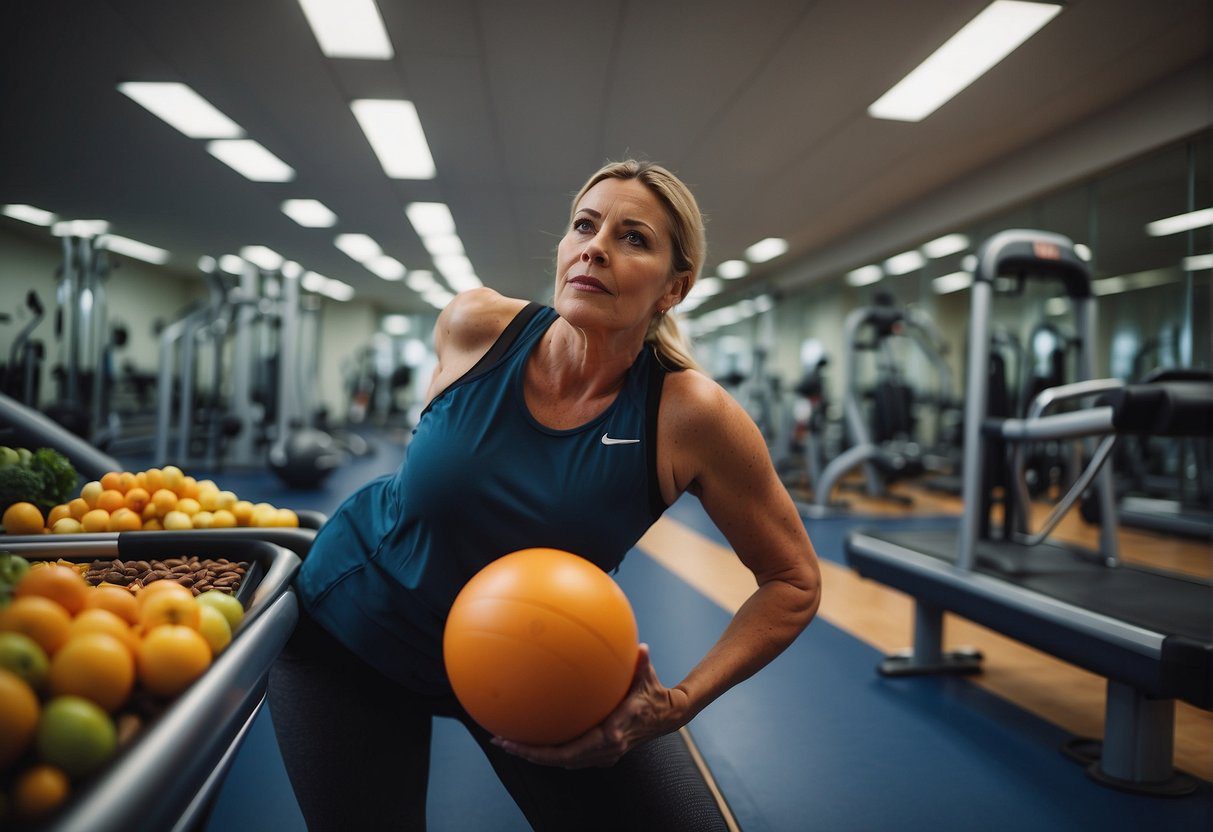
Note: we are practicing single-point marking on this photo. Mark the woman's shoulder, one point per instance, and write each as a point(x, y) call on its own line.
point(474, 320)
point(692, 401)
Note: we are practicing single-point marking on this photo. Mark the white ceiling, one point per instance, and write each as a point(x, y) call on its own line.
point(760, 106)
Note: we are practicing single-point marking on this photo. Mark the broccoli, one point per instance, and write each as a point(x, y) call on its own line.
point(20, 484)
point(59, 478)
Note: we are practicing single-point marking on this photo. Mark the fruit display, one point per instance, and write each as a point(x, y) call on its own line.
point(158, 499)
point(84, 666)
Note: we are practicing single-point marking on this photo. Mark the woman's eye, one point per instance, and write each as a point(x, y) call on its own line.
point(635, 238)
point(581, 225)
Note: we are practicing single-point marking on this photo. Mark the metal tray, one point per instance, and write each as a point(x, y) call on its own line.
point(169, 774)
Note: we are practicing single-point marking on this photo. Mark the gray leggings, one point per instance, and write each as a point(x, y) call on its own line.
point(357, 750)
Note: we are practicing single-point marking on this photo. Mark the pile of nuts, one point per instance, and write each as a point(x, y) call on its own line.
point(192, 573)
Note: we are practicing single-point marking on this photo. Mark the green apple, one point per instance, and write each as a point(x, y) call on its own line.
point(75, 735)
point(23, 656)
point(12, 568)
point(229, 605)
point(8, 457)
point(213, 626)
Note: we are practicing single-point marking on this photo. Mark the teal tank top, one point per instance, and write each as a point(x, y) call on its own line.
point(481, 478)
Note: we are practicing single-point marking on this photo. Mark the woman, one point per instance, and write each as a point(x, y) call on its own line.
point(571, 428)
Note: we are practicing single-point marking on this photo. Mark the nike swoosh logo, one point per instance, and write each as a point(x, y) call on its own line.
point(607, 440)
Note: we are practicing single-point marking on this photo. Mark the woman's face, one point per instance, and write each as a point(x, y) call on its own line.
point(614, 265)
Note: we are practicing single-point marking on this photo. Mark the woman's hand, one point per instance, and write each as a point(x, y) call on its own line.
point(649, 710)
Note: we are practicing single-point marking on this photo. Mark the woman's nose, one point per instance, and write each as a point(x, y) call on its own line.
point(594, 253)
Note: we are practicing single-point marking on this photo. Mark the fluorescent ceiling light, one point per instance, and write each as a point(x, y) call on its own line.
point(765, 250)
point(80, 228)
point(251, 160)
point(394, 131)
point(337, 290)
point(954, 282)
point(948, 244)
point(438, 298)
point(1083, 251)
point(969, 263)
point(388, 268)
point(348, 28)
point(421, 281)
point(360, 247)
point(265, 258)
point(310, 213)
point(864, 276)
point(440, 244)
point(988, 38)
point(705, 288)
point(313, 282)
point(30, 214)
point(733, 269)
point(453, 264)
point(134, 248)
point(462, 282)
point(430, 218)
point(207, 264)
point(396, 324)
point(231, 264)
point(182, 108)
point(291, 269)
point(764, 303)
point(1182, 222)
point(1198, 262)
point(904, 263)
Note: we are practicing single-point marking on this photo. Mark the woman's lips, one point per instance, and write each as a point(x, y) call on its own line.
point(586, 283)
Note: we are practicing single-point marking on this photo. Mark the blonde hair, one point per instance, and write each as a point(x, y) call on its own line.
point(671, 344)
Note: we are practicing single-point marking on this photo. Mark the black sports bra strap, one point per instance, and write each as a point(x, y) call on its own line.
point(503, 343)
point(652, 402)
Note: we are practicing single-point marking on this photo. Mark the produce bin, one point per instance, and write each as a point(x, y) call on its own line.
point(168, 775)
point(297, 540)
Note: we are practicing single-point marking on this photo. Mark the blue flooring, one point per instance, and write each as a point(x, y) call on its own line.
point(815, 741)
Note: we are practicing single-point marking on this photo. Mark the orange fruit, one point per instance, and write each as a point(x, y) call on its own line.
point(149, 512)
point(97, 520)
point(171, 658)
point(58, 513)
point(67, 525)
point(115, 599)
point(174, 479)
point(189, 506)
point(164, 500)
point(126, 481)
point(154, 480)
point(103, 621)
point(223, 519)
point(90, 492)
point(169, 608)
point(242, 510)
point(286, 517)
point(39, 791)
point(203, 520)
point(153, 589)
point(19, 711)
point(94, 666)
point(23, 518)
point(111, 480)
point(111, 500)
point(125, 520)
point(39, 618)
point(137, 499)
point(152, 525)
point(78, 507)
point(61, 584)
point(141, 480)
point(189, 488)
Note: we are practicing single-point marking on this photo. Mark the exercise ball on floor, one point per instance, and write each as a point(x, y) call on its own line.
point(540, 646)
point(306, 458)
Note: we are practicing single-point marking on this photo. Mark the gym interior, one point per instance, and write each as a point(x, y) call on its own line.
point(959, 275)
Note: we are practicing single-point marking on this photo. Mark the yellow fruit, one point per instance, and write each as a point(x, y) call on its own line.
point(125, 520)
point(226, 499)
point(111, 481)
point(171, 658)
point(189, 488)
point(97, 520)
point(154, 480)
point(90, 492)
point(286, 517)
point(61, 584)
point(152, 525)
point(23, 518)
point(78, 508)
point(173, 478)
point(115, 599)
point(152, 590)
point(67, 525)
point(95, 666)
point(149, 512)
point(111, 500)
point(213, 627)
point(39, 791)
point(19, 711)
point(97, 620)
point(141, 481)
point(164, 500)
point(169, 608)
point(203, 520)
point(127, 481)
point(137, 499)
point(57, 513)
point(188, 505)
point(223, 519)
point(208, 498)
point(242, 510)
point(205, 484)
point(263, 517)
point(39, 618)
point(177, 521)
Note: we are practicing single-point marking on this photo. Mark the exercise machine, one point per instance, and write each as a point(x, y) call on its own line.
point(22, 376)
point(1149, 632)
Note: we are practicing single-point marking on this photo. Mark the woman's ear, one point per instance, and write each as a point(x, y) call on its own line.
point(677, 290)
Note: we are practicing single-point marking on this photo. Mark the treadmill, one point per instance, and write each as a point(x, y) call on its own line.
point(1149, 632)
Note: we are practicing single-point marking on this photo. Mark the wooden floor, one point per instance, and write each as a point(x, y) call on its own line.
point(1056, 691)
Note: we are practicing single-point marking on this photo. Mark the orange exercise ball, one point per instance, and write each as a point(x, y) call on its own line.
point(540, 646)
